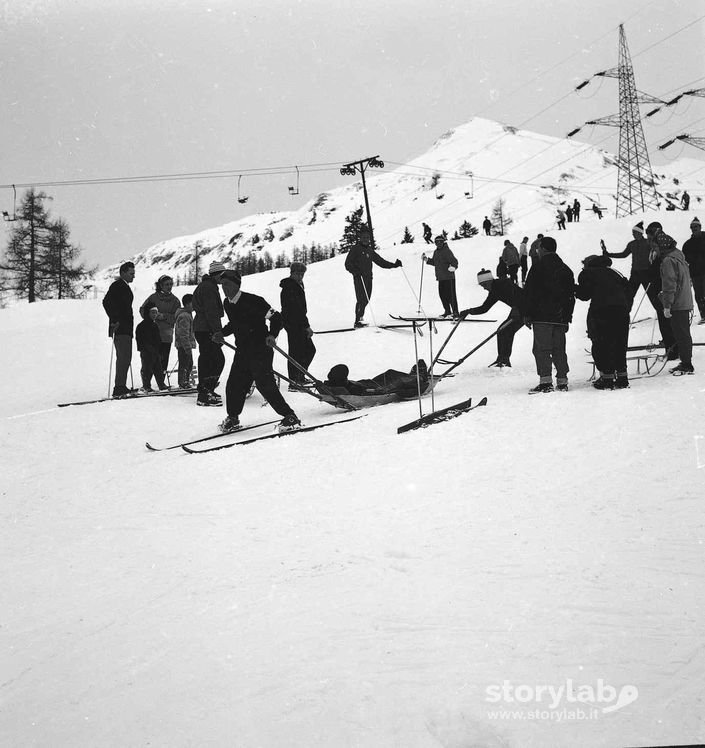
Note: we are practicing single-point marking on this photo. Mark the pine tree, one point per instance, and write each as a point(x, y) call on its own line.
point(467, 230)
point(500, 219)
point(39, 259)
point(407, 238)
point(351, 232)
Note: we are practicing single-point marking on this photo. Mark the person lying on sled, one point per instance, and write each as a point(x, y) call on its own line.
point(388, 382)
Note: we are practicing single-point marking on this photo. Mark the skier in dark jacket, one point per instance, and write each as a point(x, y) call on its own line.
point(427, 233)
point(358, 263)
point(512, 295)
point(607, 319)
point(148, 339)
point(208, 308)
point(694, 251)
point(487, 226)
point(255, 326)
point(445, 265)
point(295, 319)
point(118, 306)
point(645, 273)
point(550, 299)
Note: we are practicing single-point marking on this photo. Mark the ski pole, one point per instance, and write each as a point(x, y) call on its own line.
point(423, 265)
point(633, 319)
point(418, 377)
point(438, 355)
point(317, 382)
point(477, 347)
point(110, 370)
point(303, 389)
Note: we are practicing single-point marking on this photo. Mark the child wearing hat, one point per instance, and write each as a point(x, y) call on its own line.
point(148, 341)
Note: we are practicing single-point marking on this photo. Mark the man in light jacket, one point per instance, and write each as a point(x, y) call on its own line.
point(445, 265)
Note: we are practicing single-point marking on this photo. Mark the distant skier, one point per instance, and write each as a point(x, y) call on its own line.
point(569, 214)
point(296, 324)
point(676, 296)
point(255, 326)
point(576, 210)
point(118, 306)
point(427, 233)
point(597, 211)
point(359, 264)
point(694, 251)
point(508, 292)
point(685, 200)
point(445, 265)
point(487, 226)
point(560, 218)
point(512, 261)
point(550, 299)
point(645, 274)
point(607, 319)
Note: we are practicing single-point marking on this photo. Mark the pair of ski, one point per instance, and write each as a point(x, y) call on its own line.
point(189, 448)
point(134, 396)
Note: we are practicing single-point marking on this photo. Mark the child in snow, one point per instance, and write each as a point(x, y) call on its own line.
point(185, 340)
point(148, 344)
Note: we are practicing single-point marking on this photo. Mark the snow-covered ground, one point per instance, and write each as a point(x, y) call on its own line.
point(350, 586)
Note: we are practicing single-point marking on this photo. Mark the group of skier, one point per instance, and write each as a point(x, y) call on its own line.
point(543, 301)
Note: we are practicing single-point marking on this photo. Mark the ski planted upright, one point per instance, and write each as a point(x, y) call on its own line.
point(210, 436)
point(274, 435)
point(132, 396)
point(452, 411)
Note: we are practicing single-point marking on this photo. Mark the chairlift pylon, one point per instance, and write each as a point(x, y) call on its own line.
point(295, 190)
point(242, 199)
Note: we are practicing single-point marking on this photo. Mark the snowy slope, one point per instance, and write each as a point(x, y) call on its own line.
point(352, 587)
point(533, 173)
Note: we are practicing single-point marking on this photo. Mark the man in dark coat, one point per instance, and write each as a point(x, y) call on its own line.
point(550, 299)
point(248, 320)
point(149, 341)
point(118, 306)
point(358, 263)
point(487, 226)
point(645, 273)
point(513, 296)
point(607, 319)
point(694, 251)
point(295, 319)
point(208, 308)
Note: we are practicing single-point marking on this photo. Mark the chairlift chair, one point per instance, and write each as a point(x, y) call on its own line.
point(241, 199)
point(295, 190)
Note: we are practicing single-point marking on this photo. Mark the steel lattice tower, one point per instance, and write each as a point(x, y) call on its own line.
point(636, 191)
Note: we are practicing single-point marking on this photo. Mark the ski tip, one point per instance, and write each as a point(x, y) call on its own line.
point(150, 447)
point(188, 450)
point(482, 402)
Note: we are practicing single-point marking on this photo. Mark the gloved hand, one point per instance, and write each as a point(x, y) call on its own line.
point(397, 264)
point(451, 269)
point(113, 327)
point(527, 322)
point(309, 332)
point(667, 312)
point(424, 257)
point(217, 337)
point(271, 341)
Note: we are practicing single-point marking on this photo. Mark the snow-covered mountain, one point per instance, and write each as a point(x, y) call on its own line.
point(459, 178)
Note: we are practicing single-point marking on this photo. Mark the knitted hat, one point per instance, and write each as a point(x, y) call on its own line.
point(216, 268)
point(154, 306)
point(439, 238)
point(639, 228)
point(484, 275)
point(695, 223)
point(297, 267)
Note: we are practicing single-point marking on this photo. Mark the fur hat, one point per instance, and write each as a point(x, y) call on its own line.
point(695, 223)
point(216, 268)
point(639, 228)
point(484, 275)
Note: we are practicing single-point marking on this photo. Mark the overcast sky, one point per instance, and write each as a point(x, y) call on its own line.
point(95, 89)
